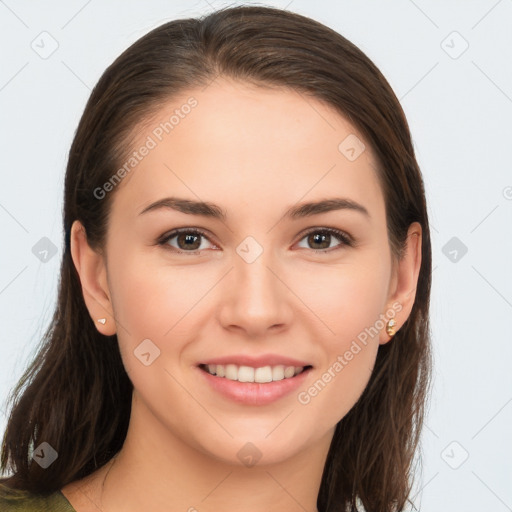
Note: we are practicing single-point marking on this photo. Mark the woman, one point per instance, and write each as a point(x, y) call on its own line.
point(242, 318)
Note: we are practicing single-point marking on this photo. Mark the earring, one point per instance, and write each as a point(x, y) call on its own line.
point(102, 320)
point(390, 327)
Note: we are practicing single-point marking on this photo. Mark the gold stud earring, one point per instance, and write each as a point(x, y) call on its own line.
point(102, 320)
point(390, 327)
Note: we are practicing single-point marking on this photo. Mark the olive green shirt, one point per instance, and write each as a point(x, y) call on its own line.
point(14, 500)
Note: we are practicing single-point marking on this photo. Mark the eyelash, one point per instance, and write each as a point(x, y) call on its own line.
point(344, 238)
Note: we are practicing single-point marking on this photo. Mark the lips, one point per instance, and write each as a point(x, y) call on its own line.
point(254, 380)
point(253, 393)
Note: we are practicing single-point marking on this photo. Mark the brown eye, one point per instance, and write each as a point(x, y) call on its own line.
point(187, 240)
point(321, 239)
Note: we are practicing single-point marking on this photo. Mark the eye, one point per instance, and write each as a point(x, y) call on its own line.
point(187, 240)
point(320, 239)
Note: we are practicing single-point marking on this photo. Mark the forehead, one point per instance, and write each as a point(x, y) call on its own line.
point(243, 144)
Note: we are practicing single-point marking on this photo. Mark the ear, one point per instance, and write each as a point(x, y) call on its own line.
point(404, 281)
point(91, 268)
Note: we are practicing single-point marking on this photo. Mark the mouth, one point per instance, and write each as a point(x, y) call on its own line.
point(253, 386)
point(250, 374)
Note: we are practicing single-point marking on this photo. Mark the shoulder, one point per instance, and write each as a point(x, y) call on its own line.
point(15, 500)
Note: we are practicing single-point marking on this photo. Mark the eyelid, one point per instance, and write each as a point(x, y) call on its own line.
point(345, 238)
point(162, 240)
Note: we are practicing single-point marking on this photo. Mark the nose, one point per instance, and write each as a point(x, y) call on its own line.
point(255, 297)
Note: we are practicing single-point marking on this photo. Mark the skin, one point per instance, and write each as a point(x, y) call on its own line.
point(255, 152)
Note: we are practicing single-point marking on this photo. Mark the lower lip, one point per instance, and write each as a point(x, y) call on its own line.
point(254, 393)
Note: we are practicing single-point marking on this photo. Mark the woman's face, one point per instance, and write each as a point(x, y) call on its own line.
point(259, 287)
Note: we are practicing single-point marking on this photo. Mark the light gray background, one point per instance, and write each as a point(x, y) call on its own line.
point(459, 107)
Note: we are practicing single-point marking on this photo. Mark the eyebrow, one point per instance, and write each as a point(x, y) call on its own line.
point(211, 210)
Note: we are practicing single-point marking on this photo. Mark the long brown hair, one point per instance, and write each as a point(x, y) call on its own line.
point(76, 395)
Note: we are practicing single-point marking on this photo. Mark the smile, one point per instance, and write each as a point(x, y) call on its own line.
point(242, 384)
point(260, 375)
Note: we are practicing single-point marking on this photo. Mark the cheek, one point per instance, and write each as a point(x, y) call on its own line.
point(336, 387)
point(347, 362)
point(156, 302)
point(149, 299)
point(148, 302)
point(346, 299)
point(351, 305)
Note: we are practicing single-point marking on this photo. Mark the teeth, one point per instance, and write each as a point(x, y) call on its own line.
point(231, 372)
point(278, 373)
point(263, 374)
point(289, 371)
point(250, 374)
point(245, 374)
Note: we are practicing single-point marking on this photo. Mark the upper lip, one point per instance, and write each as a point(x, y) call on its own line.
point(256, 361)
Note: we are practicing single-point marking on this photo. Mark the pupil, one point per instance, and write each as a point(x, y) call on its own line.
point(189, 240)
point(319, 238)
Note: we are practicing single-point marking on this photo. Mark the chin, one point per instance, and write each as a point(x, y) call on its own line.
point(254, 449)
